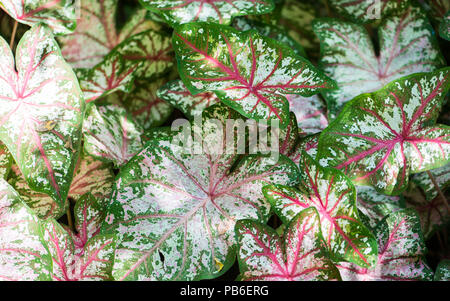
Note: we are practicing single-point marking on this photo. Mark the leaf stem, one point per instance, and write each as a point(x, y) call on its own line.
point(441, 194)
point(69, 218)
point(13, 35)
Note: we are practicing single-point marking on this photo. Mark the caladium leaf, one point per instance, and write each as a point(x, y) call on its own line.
point(311, 113)
point(407, 45)
point(443, 271)
point(176, 93)
point(177, 12)
point(6, 161)
point(296, 256)
point(96, 34)
point(22, 253)
point(306, 145)
point(444, 27)
point(400, 252)
point(110, 134)
point(59, 15)
point(374, 206)
point(442, 177)
point(368, 11)
point(41, 112)
point(437, 8)
point(174, 212)
point(146, 106)
point(380, 138)
point(334, 196)
point(248, 72)
point(107, 77)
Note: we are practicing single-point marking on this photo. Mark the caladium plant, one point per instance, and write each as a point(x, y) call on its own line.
point(5, 161)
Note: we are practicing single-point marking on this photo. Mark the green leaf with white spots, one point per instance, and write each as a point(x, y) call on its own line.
point(110, 134)
point(306, 145)
point(407, 45)
point(248, 72)
point(41, 111)
point(22, 253)
point(176, 93)
point(380, 138)
point(59, 15)
point(444, 27)
point(443, 271)
point(442, 176)
point(177, 12)
point(334, 196)
point(174, 211)
point(296, 255)
point(6, 161)
point(401, 249)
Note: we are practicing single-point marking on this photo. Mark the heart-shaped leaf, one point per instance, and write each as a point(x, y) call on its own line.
point(6, 161)
point(97, 35)
point(334, 197)
point(442, 177)
point(176, 93)
point(110, 134)
point(177, 12)
point(59, 15)
point(296, 256)
point(380, 138)
point(174, 211)
point(407, 45)
point(400, 252)
point(443, 271)
point(248, 72)
point(311, 113)
point(41, 112)
point(22, 253)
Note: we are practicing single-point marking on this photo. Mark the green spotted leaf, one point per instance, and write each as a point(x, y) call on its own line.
point(177, 12)
point(248, 72)
point(401, 249)
point(442, 177)
point(41, 111)
point(308, 145)
point(174, 211)
point(6, 161)
point(443, 271)
point(334, 196)
point(380, 138)
point(297, 255)
point(444, 27)
point(407, 45)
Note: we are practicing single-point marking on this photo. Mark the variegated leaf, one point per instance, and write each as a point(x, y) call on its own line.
point(96, 34)
point(311, 113)
point(437, 8)
point(306, 145)
point(334, 196)
point(442, 176)
point(443, 271)
point(365, 11)
point(59, 15)
point(177, 12)
point(444, 27)
point(174, 211)
point(22, 253)
point(407, 45)
point(176, 94)
point(401, 249)
point(6, 161)
point(248, 72)
point(40, 112)
point(295, 256)
point(110, 134)
point(380, 138)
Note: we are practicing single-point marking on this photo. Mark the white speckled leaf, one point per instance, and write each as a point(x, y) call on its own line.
point(174, 213)
point(444, 27)
point(442, 176)
point(176, 93)
point(59, 15)
point(295, 256)
point(6, 161)
point(443, 271)
point(365, 11)
point(41, 110)
point(248, 72)
point(147, 108)
point(22, 254)
point(306, 144)
point(311, 113)
point(401, 249)
point(407, 45)
point(380, 138)
point(110, 134)
point(177, 12)
point(334, 196)
point(96, 33)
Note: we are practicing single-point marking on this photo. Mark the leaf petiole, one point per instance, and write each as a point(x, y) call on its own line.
point(13, 35)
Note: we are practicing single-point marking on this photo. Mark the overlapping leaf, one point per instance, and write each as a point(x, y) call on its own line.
point(249, 72)
point(380, 138)
point(41, 109)
point(442, 177)
point(174, 211)
point(444, 27)
point(407, 45)
point(443, 271)
point(334, 197)
point(400, 252)
point(177, 12)
point(59, 15)
point(6, 161)
point(311, 113)
point(110, 134)
point(306, 145)
point(295, 256)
